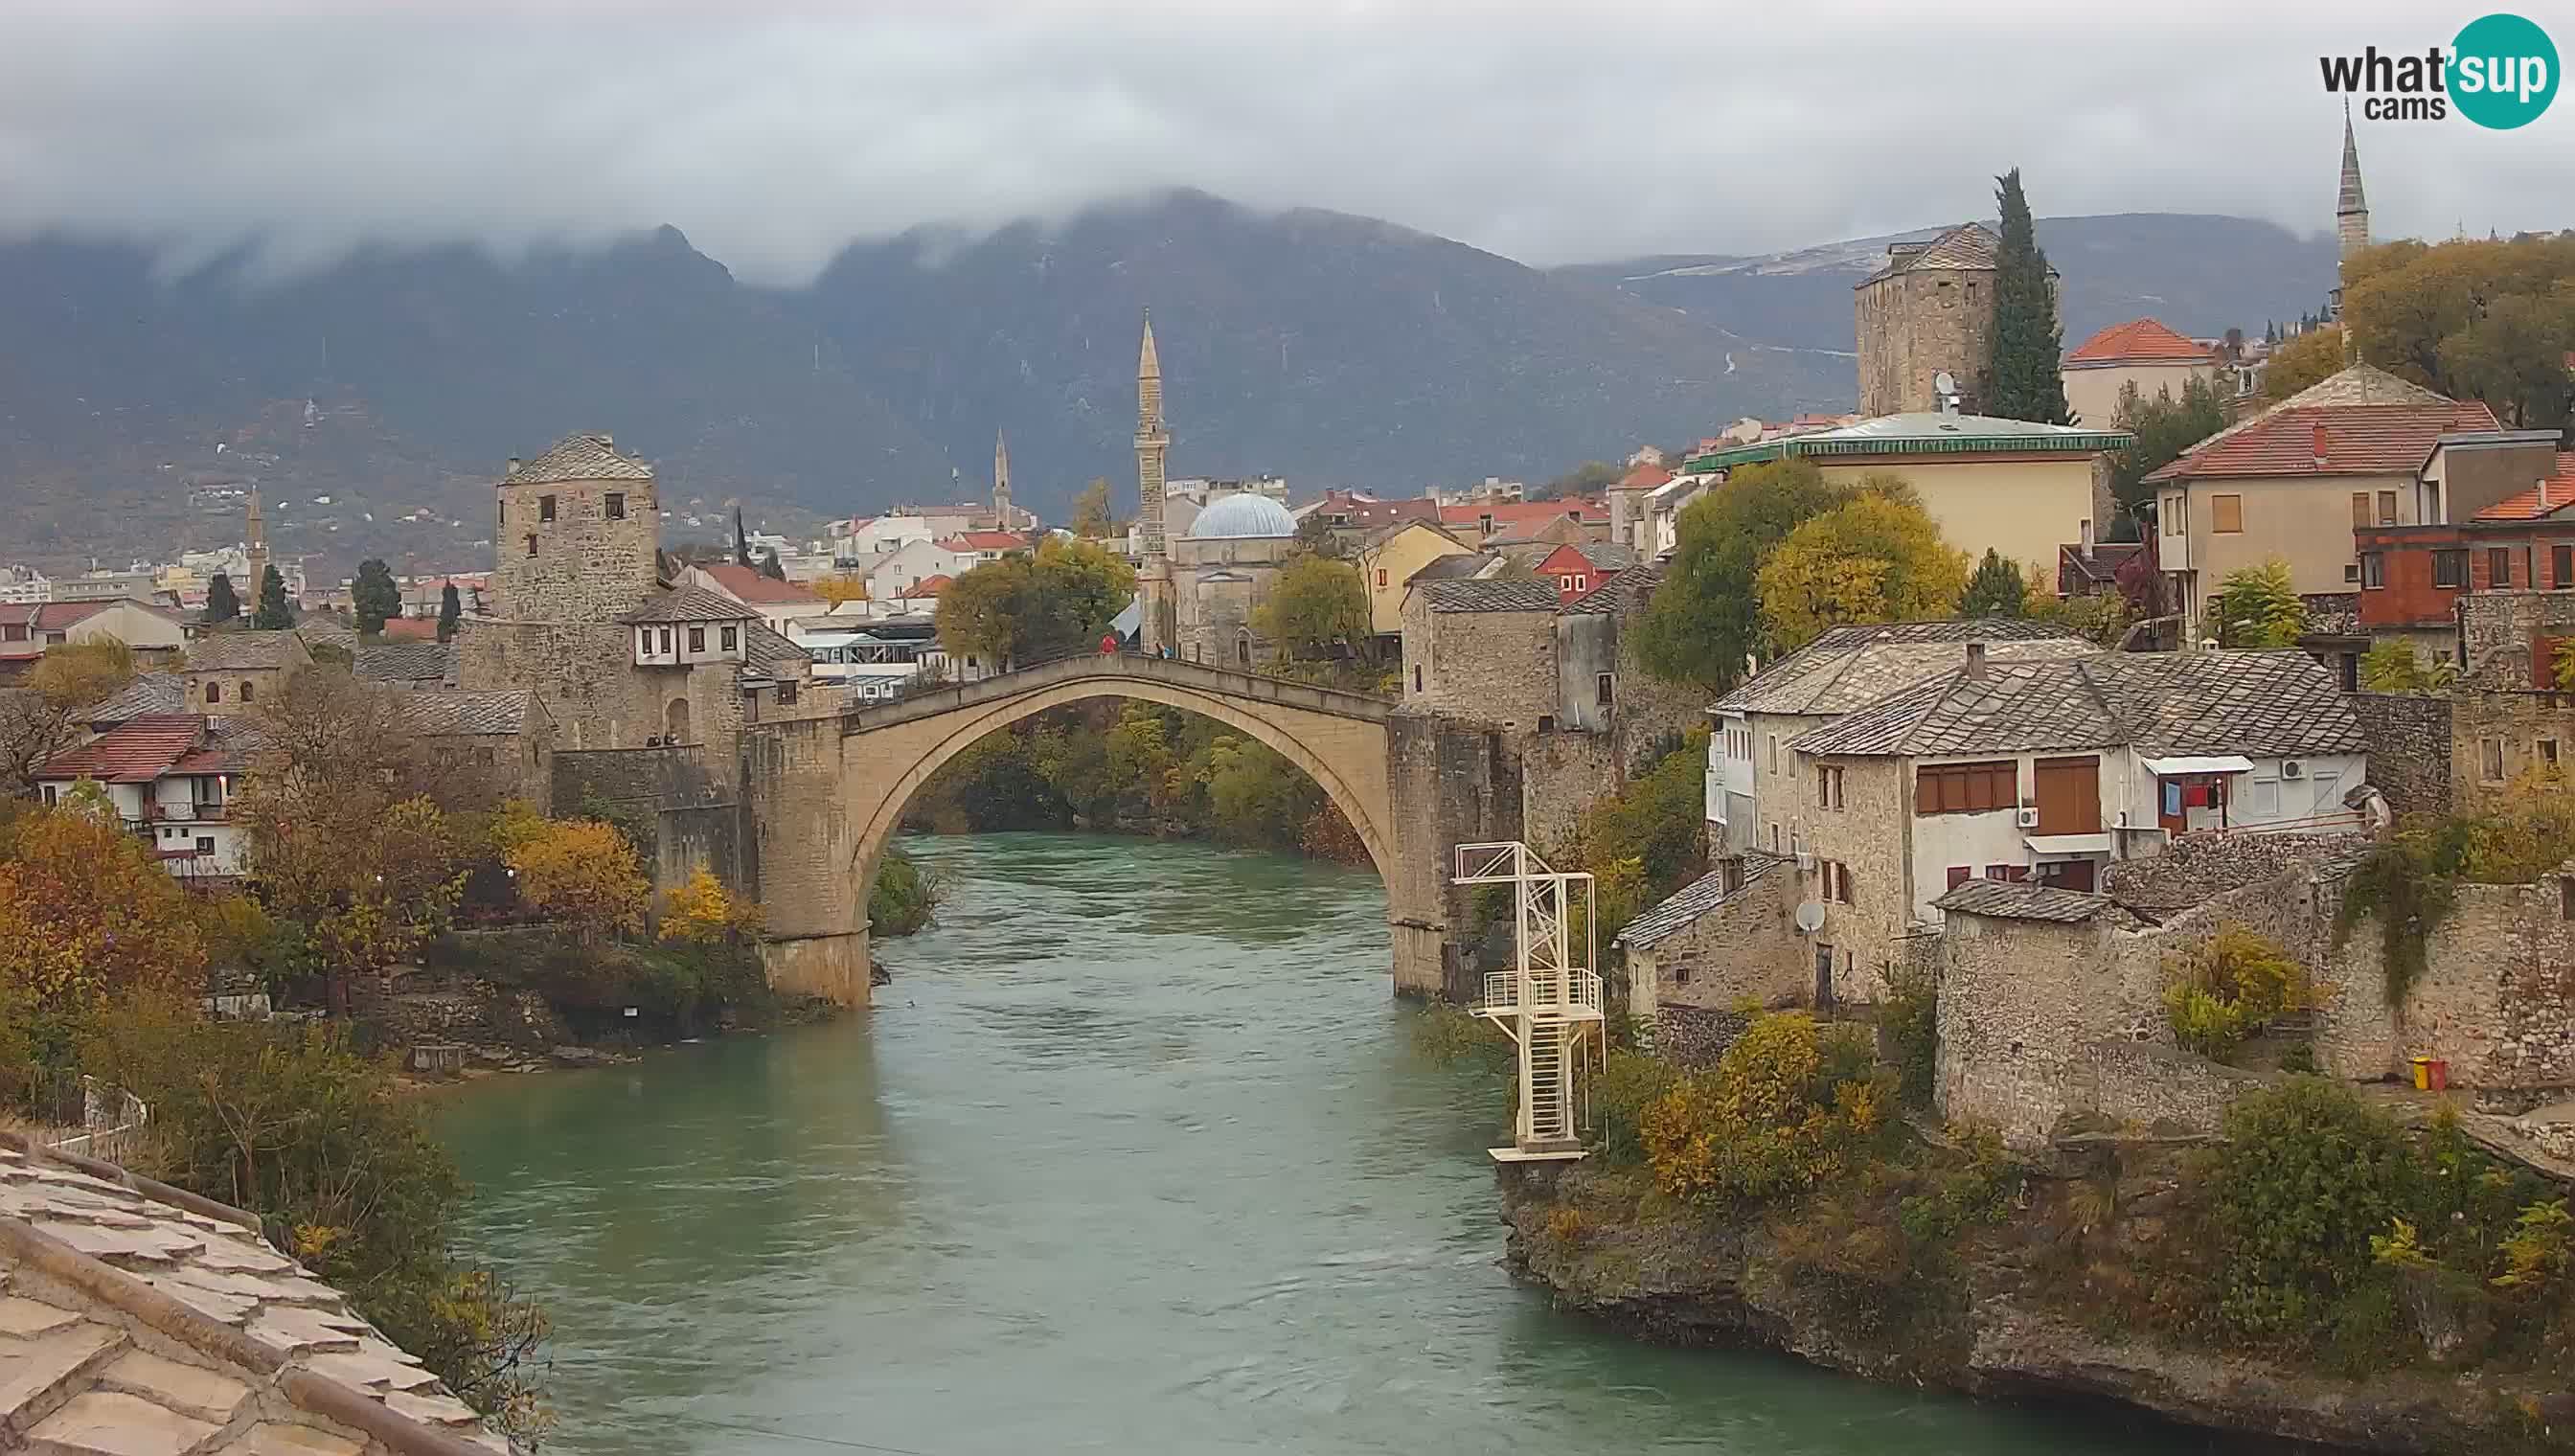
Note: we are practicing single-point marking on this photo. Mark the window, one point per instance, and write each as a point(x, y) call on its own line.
point(2014, 873)
point(666, 640)
point(1828, 785)
point(545, 508)
point(2351, 571)
point(1565, 584)
point(2387, 507)
point(1966, 787)
point(1582, 583)
point(1959, 874)
point(2498, 567)
point(697, 638)
point(1380, 578)
point(787, 694)
point(2373, 569)
point(1775, 838)
point(249, 689)
point(2226, 515)
point(1775, 752)
point(2547, 748)
point(1417, 678)
point(2490, 760)
point(2264, 799)
point(214, 692)
point(2561, 567)
point(617, 505)
point(205, 843)
point(731, 638)
point(1604, 688)
point(1838, 882)
point(531, 546)
point(2361, 519)
point(2449, 569)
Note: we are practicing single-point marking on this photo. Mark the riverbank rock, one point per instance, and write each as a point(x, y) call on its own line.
point(1689, 1279)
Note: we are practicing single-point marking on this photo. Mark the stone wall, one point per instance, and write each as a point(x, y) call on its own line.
point(2503, 634)
point(2409, 749)
point(1913, 326)
point(1697, 1036)
point(585, 676)
point(2513, 732)
point(1455, 783)
point(2151, 1085)
point(2195, 868)
point(585, 567)
point(1490, 667)
point(2020, 1003)
point(1562, 773)
point(2496, 999)
point(697, 818)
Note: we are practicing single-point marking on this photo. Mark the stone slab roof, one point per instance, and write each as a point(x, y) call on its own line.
point(149, 692)
point(769, 654)
point(2162, 703)
point(238, 652)
point(1969, 246)
point(689, 603)
point(135, 1318)
point(460, 713)
point(1455, 567)
point(1513, 594)
point(1692, 900)
point(579, 457)
point(407, 664)
point(1849, 667)
point(2022, 900)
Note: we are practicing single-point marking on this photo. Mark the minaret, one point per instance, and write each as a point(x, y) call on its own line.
point(255, 547)
point(1154, 580)
point(2351, 208)
point(1001, 519)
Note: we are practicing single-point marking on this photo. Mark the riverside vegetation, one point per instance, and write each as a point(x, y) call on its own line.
point(2319, 1271)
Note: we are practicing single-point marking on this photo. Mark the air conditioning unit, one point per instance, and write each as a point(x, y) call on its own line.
point(1805, 861)
point(2293, 768)
point(2027, 818)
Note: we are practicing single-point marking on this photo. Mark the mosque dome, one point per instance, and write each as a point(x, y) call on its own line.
point(1242, 515)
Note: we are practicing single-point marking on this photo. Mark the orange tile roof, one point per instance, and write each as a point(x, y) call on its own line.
point(987, 541)
point(2140, 341)
point(1521, 514)
point(928, 585)
point(748, 587)
point(1645, 478)
point(2545, 498)
point(2329, 440)
point(136, 750)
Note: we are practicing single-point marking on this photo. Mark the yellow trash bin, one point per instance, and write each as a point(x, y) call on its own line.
point(2422, 1073)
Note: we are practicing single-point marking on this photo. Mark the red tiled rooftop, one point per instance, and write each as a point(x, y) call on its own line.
point(929, 585)
point(1645, 478)
point(137, 751)
point(410, 629)
point(48, 615)
point(751, 587)
point(987, 541)
point(2327, 440)
point(2546, 499)
point(2138, 339)
point(1521, 514)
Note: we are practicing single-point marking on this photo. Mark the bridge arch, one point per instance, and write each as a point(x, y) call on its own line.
point(828, 793)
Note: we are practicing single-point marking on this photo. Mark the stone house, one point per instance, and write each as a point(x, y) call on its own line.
point(2140, 352)
point(503, 735)
point(1610, 718)
point(231, 672)
point(1388, 557)
point(1481, 648)
point(1579, 567)
point(2049, 770)
point(1843, 670)
point(1725, 938)
point(406, 664)
point(2296, 481)
point(2020, 487)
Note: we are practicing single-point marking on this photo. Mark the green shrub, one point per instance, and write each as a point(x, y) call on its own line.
point(2308, 1174)
point(1970, 1192)
point(1911, 1017)
point(906, 896)
point(1632, 1082)
point(2228, 987)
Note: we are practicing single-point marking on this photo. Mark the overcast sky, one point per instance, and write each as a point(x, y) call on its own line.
point(1558, 133)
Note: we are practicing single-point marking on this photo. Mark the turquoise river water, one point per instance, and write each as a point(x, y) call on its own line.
point(1134, 1155)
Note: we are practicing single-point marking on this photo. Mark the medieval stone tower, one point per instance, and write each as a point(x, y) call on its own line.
point(575, 535)
point(1928, 310)
point(2351, 207)
point(1153, 442)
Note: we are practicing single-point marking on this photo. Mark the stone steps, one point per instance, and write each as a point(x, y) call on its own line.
point(47, 1368)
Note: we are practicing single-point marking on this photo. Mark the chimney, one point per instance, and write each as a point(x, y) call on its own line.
point(2321, 443)
point(2543, 495)
point(608, 439)
point(514, 465)
point(2088, 536)
point(1976, 661)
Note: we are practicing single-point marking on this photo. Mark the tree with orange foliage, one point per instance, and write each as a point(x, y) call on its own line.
point(87, 914)
point(582, 870)
point(702, 911)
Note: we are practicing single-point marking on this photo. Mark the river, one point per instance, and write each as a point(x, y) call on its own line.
point(1134, 1155)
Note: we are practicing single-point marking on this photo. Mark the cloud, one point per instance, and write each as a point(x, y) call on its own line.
point(775, 135)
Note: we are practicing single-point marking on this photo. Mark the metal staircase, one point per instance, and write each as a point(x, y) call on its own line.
point(1548, 1004)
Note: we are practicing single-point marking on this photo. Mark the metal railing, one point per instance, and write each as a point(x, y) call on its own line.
point(1548, 990)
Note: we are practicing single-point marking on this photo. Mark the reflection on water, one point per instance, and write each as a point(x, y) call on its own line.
point(1134, 1155)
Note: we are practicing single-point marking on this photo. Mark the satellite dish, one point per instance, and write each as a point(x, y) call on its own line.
point(1810, 917)
point(1945, 382)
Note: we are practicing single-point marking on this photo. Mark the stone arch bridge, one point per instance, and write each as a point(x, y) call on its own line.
point(826, 796)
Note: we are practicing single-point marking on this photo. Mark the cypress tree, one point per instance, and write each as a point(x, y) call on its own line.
point(273, 613)
point(2029, 346)
point(741, 542)
point(771, 568)
point(221, 604)
point(1997, 590)
point(374, 596)
point(451, 610)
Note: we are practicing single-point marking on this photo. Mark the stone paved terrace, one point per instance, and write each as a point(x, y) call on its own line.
point(137, 1320)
